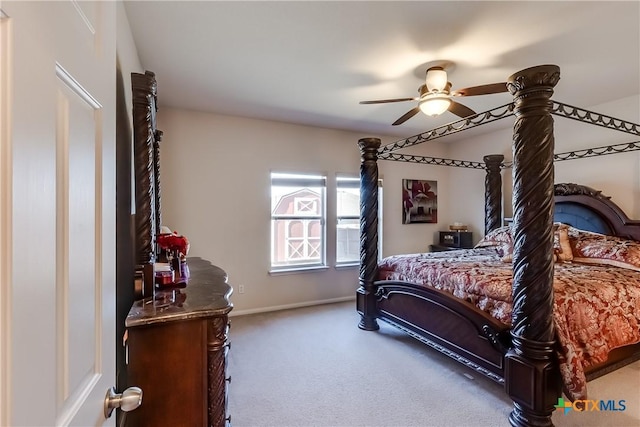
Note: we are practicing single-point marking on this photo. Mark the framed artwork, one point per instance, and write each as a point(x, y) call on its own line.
point(419, 201)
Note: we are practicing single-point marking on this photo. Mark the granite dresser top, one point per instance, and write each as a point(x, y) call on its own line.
point(206, 294)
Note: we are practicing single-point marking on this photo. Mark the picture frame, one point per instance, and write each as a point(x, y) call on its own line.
point(419, 201)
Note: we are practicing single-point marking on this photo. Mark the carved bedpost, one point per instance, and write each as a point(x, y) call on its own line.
point(493, 193)
point(366, 293)
point(532, 380)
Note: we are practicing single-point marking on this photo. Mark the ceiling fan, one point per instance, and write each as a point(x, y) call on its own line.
point(436, 96)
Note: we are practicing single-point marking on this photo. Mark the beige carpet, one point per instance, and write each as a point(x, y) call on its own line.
point(314, 367)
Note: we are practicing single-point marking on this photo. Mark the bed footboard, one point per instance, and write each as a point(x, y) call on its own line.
point(447, 324)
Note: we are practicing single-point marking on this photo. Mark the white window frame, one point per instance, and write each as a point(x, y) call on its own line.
point(315, 182)
point(352, 181)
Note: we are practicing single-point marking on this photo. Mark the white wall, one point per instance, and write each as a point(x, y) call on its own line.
point(468, 184)
point(216, 191)
point(408, 238)
point(126, 54)
point(616, 175)
point(127, 62)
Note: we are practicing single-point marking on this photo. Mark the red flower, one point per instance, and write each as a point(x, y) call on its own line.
point(174, 243)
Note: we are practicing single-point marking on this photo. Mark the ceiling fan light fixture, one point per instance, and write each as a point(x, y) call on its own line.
point(435, 105)
point(435, 96)
point(436, 79)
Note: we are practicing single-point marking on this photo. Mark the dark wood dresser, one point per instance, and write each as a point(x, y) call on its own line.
point(177, 351)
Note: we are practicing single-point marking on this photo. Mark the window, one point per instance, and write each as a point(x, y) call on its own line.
point(348, 220)
point(297, 221)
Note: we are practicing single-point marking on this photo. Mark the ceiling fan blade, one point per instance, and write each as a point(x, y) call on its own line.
point(407, 116)
point(481, 90)
point(460, 110)
point(384, 101)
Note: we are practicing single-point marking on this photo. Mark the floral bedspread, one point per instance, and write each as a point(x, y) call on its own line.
point(597, 308)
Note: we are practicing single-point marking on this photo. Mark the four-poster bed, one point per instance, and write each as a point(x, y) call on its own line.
point(521, 353)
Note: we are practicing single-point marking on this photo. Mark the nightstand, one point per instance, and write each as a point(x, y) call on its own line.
point(456, 239)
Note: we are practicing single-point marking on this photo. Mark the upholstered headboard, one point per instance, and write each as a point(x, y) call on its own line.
point(588, 209)
point(581, 217)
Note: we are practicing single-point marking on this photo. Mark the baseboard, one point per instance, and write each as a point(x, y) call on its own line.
point(289, 306)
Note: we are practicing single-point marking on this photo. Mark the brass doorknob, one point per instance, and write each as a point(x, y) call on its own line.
point(127, 401)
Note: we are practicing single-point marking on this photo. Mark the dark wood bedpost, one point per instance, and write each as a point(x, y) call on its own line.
point(366, 293)
point(492, 192)
point(532, 380)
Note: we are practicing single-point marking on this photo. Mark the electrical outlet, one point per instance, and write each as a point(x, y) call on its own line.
point(241, 289)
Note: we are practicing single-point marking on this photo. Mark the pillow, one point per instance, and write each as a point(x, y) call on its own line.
point(500, 238)
point(561, 245)
point(599, 249)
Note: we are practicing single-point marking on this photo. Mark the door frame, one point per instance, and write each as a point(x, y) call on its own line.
point(125, 265)
point(6, 207)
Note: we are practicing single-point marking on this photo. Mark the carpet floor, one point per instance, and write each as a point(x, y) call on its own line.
point(313, 367)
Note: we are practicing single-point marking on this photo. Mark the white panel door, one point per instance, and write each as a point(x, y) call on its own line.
point(57, 211)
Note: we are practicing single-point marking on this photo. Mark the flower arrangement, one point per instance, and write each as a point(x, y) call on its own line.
point(174, 243)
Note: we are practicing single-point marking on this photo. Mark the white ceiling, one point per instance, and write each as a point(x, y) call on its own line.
point(312, 62)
